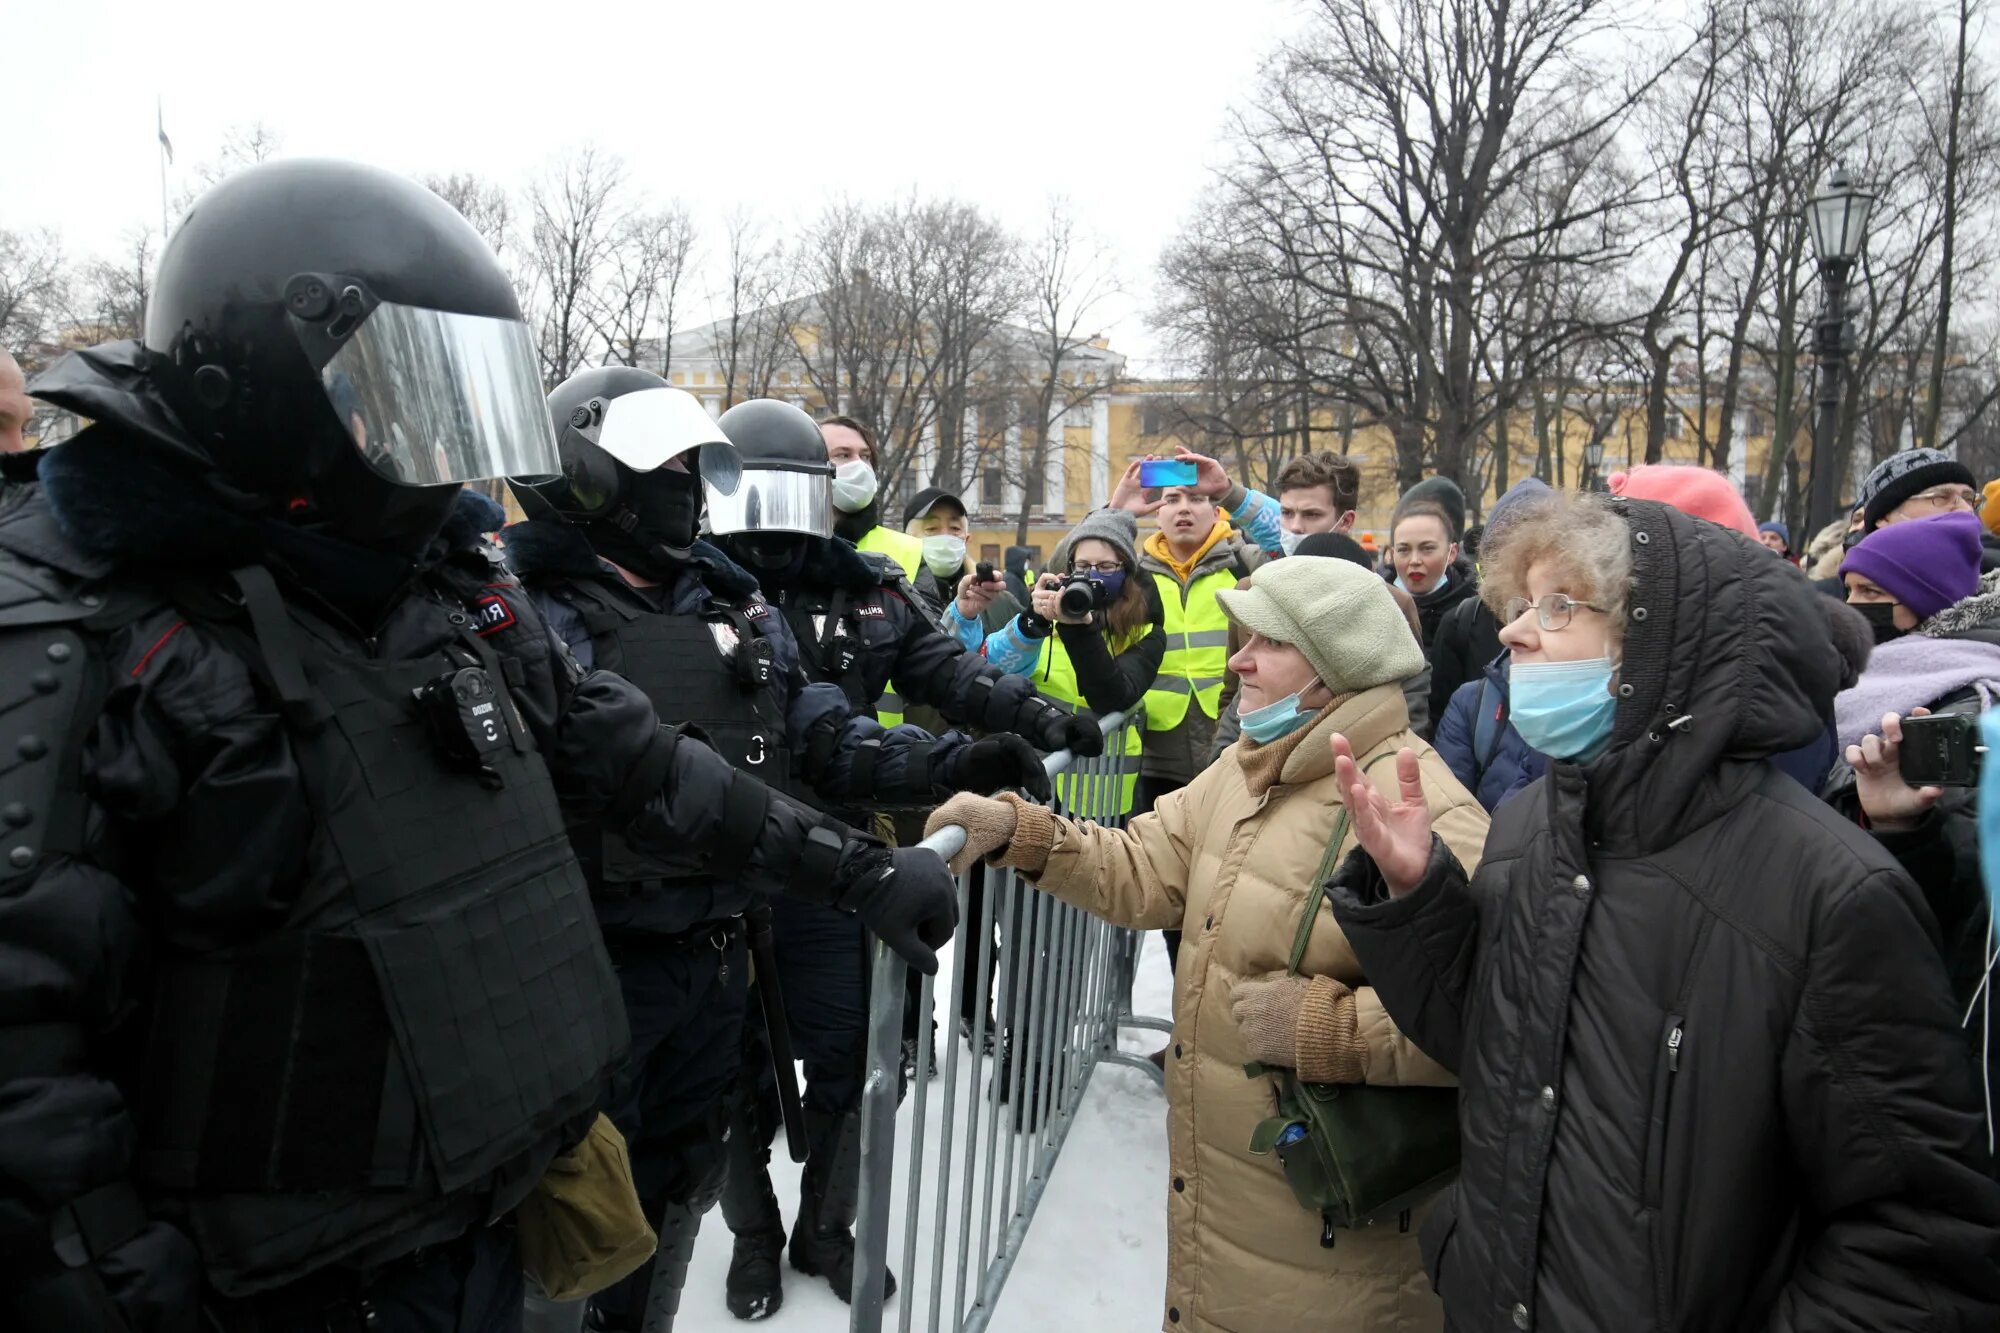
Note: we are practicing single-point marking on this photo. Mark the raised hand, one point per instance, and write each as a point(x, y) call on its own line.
point(1209, 477)
point(1891, 804)
point(1397, 834)
point(1130, 495)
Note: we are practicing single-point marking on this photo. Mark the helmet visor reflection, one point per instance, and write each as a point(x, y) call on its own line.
point(431, 397)
point(769, 499)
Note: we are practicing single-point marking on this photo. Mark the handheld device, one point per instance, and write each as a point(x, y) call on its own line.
point(1942, 751)
point(1080, 596)
point(984, 573)
point(1158, 472)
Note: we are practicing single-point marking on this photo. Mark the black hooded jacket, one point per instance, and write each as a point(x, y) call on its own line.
point(196, 826)
point(1710, 1073)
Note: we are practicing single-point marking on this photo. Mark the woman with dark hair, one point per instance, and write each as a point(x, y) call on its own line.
point(1709, 1067)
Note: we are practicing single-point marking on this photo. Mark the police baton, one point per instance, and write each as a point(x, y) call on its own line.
point(764, 963)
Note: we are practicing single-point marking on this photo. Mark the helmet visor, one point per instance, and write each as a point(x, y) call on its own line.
point(432, 397)
point(776, 499)
point(649, 429)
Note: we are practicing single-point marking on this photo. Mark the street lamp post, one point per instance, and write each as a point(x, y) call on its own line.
point(1838, 216)
point(1593, 464)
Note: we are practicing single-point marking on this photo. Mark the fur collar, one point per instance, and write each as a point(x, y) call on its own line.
point(544, 548)
point(1977, 612)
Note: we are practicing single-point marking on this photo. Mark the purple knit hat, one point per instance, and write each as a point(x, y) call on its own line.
point(1926, 564)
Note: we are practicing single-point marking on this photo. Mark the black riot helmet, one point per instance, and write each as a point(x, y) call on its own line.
point(344, 349)
point(637, 456)
point(787, 481)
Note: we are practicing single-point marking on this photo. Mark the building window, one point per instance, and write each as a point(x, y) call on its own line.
point(989, 553)
point(1152, 420)
point(1753, 423)
point(1676, 423)
point(992, 488)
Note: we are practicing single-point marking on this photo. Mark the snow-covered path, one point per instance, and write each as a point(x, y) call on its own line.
point(1096, 1255)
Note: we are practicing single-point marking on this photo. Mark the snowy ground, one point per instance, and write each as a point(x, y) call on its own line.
point(1095, 1257)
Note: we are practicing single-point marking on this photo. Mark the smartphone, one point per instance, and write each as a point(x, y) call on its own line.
point(1942, 751)
point(1166, 472)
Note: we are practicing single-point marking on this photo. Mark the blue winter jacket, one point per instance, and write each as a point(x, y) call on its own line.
point(1503, 764)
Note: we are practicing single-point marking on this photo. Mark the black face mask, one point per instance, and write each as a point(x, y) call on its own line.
point(1852, 539)
point(351, 502)
point(1881, 618)
point(771, 556)
point(654, 524)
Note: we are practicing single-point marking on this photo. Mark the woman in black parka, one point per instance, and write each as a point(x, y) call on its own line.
point(1710, 1071)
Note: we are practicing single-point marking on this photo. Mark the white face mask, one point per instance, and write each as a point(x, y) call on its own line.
point(853, 487)
point(1288, 541)
point(944, 555)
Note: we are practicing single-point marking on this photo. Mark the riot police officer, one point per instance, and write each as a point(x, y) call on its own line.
point(858, 628)
point(611, 556)
point(303, 989)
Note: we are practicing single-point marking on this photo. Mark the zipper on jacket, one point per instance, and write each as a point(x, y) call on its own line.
point(1673, 1049)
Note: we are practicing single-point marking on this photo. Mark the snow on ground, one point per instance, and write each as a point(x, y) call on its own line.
point(1095, 1256)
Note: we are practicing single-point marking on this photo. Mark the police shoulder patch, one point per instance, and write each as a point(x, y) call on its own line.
point(491, 614)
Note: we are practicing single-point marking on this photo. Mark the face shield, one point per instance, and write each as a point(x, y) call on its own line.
point(776, 497)
point(655, 428)
point(432, 398)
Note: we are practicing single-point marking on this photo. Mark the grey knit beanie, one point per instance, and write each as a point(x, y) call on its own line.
point(1117, 527)
point(1900, 476)
point(1343, 618)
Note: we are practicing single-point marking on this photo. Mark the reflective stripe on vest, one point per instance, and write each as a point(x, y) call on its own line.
point(1055, 679)
point(1197, 648)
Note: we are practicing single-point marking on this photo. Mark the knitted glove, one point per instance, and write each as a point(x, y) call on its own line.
point(1005, 829)
point(1305, 1024)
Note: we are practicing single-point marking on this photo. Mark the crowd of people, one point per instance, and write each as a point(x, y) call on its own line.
point(384, 884)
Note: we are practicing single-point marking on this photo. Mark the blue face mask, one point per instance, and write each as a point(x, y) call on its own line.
point(1266, 724)
point(1563, 709)
point(1112, 583)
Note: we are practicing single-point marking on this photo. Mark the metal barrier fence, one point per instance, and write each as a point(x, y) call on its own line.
point(981, 1149)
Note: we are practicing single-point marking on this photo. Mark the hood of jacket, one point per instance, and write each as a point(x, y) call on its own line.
point(1224, 551)
point(1725, 657)
point(542, 548)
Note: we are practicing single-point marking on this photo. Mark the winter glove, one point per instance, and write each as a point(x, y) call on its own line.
point(1082, 736)
point(998, 763)
point(906, 896)
point(1005, 829)
point(1305, 1024)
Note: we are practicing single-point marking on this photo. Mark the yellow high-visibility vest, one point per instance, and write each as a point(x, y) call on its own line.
point(1197, 648)
point(1087, 796)
point(908, 552)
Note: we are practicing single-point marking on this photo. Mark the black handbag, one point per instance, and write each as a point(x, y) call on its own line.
point(1354, 1153)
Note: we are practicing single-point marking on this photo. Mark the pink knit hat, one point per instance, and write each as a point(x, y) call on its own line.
point(1692, 490)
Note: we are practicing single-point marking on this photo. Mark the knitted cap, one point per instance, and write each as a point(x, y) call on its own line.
point(1115, 526)
point(1926, 564)
point(1442, 492)
point(1900, 476)
point(1339, 615)
point(1989, 513)
point(1784, 533)
point(1521, 497)
point(1698, 491)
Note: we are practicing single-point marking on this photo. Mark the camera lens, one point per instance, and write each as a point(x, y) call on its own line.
point(1078, 597)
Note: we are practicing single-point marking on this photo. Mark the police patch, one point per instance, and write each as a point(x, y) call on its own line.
point(492, 614)
point(757, 610)
point(870, 610)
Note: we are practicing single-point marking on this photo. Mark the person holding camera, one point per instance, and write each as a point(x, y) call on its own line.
point(1090, 636)
point(1937, 629)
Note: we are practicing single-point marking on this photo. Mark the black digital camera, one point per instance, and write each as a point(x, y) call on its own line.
point(1080, 596)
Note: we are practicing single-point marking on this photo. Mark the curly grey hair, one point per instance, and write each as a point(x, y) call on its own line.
point(1583, 541)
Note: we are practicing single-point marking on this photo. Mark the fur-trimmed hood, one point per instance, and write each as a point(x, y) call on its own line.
point(1977, 617)
point(542, 548)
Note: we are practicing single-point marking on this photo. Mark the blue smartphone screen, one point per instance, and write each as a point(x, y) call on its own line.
point(1166, 472)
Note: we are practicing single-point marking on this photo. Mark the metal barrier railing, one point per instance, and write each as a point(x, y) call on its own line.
point(980, 1152)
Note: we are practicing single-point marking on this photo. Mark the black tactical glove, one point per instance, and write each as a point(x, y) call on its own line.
point(907, 896)
point(1083, 737)
point(999, 763)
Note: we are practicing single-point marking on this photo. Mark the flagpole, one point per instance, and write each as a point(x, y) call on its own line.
point(160, 124)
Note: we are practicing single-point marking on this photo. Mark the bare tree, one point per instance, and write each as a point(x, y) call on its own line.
point(575, 215)
point(34, 290)
point(1068, 274)
point(638, 302)
point(481, 202)
point(114, 292)
point(242, 146)
point(1954, 164)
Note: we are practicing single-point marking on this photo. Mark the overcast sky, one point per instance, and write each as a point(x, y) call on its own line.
point(771, 103)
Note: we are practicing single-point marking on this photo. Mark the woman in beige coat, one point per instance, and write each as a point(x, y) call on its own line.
point(1229, 860)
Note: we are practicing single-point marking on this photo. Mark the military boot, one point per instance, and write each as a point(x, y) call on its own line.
point(756, 1285)
point(823, 1237)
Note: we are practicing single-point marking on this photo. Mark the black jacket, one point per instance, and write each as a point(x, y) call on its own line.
point(847, 606)
point(1467, 639)
point(1710, 1074)
point(195, 826)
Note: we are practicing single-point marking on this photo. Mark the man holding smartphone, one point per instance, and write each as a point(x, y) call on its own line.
point(1936, 665)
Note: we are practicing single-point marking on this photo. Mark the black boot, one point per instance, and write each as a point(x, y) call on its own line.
point(823, 1238)
point(965, 1027)
point(1028, 1107)
point(756, 1286)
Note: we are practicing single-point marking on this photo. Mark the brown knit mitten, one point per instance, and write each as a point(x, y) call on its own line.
point(1331, 1049)
point(1267, 1013)
point(988, 823)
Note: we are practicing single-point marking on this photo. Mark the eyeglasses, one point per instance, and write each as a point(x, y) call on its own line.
point(1103, 567)
point(1552, 612)
point(1947, 497)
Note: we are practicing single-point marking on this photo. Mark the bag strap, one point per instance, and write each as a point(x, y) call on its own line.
point(1487, 724)
point(1317, 894)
